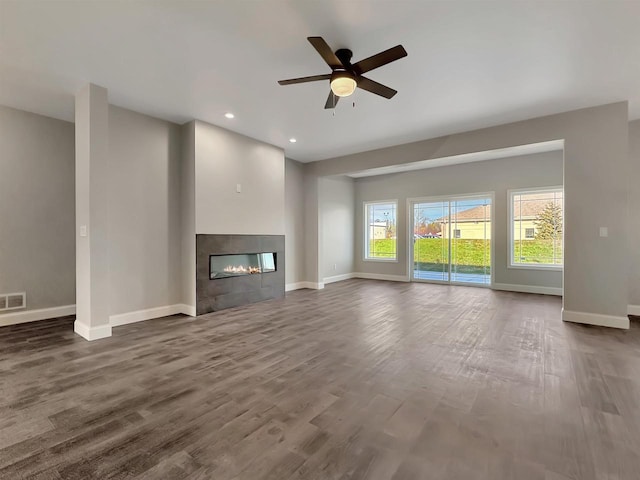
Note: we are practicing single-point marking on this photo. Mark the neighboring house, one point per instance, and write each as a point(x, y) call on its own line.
point(472, 223)
point(526, 213)
point(377, 230)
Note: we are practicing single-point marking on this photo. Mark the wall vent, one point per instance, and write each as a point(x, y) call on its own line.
point(13, 301)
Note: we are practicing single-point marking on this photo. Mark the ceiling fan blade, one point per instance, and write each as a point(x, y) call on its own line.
point(332, 100)
point(375, 87)
point(313, 78)
point(325, 52)
point(380, 59)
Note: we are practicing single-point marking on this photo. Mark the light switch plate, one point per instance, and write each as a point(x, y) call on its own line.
point(83, 230)
point(604, 232)
point(238, 188)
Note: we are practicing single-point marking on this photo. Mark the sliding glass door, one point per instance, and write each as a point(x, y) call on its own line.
point(430, 246)
point(452, 240)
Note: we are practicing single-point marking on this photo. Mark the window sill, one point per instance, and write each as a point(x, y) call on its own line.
point(383, 260)
point(546, 268)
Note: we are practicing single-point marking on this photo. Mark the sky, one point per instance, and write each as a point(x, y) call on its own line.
point(433, 211)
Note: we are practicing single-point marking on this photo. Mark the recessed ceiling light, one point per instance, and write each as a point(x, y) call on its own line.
point(293, 140)
point(229, 115)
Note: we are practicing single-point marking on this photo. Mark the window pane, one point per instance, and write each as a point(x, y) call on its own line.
point(380, 230)
point(471, 240)
point(537, 228)
point(431, 241)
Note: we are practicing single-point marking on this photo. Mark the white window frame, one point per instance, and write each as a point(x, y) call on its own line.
point(411, 201)
point(531, 266)
point(365, 244)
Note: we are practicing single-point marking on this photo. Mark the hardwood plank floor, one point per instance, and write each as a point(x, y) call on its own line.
point(365, 379)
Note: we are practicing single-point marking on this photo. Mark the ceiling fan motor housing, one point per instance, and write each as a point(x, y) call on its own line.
point(344, 55)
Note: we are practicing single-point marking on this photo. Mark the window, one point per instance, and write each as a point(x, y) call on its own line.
point(456, 233)
point(536, 218)
point(380, 230)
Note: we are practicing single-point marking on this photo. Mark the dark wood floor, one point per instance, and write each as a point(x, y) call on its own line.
point(364, 379)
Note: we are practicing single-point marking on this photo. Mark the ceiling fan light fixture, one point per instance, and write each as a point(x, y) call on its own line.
point(343, 84)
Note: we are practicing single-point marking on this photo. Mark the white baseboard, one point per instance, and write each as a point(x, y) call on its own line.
point(297, 286)
point(289, 287)
point(508, 287)
point(104, 331)
point(15, 318)
point(381, 276)
point(633, 310)
point(595, 319)
point(338, 278)
point(148, 314)
point(346, 276)
point(91, 333)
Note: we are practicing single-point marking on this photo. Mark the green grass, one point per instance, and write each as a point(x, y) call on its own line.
point(384, 248)
point(472, 253)
point(538, 251)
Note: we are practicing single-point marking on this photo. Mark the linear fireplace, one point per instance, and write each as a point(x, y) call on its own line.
point(234, 270)
point(225, 266)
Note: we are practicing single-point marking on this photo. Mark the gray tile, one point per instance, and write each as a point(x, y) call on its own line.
point(218, 294)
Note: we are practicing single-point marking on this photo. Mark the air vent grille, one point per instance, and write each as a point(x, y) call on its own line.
point(13, 301)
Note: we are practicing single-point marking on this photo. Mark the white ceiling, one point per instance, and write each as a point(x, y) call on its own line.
point(470, 65)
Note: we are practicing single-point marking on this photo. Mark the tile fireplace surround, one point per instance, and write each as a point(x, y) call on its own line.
point(217, 294)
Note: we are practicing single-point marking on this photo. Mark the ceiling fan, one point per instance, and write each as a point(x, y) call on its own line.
point(345, 76)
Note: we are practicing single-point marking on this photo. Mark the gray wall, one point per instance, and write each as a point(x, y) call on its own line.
point(144, 212)
point(336, 203)
point(498, 176)
point(294, 221)
point(634, 213)
point(224, 159)
point(596, 172)
point(37, 214)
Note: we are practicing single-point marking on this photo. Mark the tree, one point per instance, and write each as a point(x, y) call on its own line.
point(424, 227)
point(434, 228)
point(391, 230)
point(420, 225)
point(549, 222)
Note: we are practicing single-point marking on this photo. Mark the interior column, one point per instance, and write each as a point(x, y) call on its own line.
point(313, 230)
point(92, 269)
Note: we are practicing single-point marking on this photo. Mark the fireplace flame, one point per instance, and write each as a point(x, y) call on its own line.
point(242, 269)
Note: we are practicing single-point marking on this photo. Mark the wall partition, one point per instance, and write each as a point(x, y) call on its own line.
point(452, 239)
